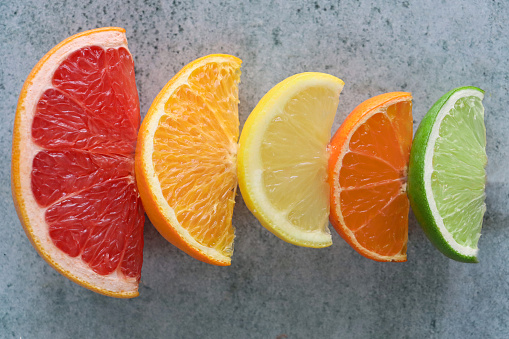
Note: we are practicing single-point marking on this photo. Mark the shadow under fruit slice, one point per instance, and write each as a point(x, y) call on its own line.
point(72, 169)
point(283, 158)
point(186, 158)
point(367, 176)
point(447, 177)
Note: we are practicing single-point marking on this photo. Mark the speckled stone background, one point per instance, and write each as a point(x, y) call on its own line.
point(273, 289)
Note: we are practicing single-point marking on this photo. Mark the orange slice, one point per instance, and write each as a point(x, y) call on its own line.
point(73, 162)
point(367, 171)
point(186, 158)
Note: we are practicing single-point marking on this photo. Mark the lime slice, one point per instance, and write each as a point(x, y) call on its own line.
point(447, 177)
point(282, 159)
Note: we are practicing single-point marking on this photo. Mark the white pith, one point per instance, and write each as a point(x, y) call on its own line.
point(158, 110)
point(75, 267)
point(270, 216)
point(428, 170)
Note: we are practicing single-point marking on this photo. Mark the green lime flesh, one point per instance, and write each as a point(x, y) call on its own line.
point(451, 214)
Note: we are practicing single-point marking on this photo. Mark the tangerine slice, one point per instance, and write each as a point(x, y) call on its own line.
point(73, 162)
point(368, 169)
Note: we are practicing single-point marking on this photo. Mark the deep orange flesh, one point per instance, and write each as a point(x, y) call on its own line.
point(372, 181)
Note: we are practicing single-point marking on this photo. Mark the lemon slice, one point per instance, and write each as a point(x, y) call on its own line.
point(282, 159)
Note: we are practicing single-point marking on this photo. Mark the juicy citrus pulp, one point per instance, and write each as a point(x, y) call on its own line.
point(73, 162)
point(447, 173)
point(186, 158)
point(367, 176)
point(283, 158)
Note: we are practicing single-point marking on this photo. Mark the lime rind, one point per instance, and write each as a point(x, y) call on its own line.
point(455, 243)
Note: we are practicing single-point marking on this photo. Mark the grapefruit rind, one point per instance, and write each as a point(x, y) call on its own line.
point(338, 224)
point(250, 163)
point(419, 177)
point(30, 213)
point(160, 213)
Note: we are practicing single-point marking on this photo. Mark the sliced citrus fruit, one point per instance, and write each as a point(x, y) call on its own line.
point(367, 176)
point(283, 158)
point(447, 176)
point(73, 162)
point(186, 158)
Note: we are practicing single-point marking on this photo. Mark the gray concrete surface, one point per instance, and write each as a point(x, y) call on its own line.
point(273, 289)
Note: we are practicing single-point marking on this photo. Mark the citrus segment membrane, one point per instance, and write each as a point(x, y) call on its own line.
point(458, 176)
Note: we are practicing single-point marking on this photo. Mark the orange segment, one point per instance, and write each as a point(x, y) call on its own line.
point(359, 205)
point(367, 176)
point(218, 87)
point(376, 138)
point(386, 233)
point(400, 115)
point(186, 158)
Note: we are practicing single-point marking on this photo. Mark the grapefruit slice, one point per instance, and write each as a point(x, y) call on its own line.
point(72, 169)
point(186, 158)
point(368, 169)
